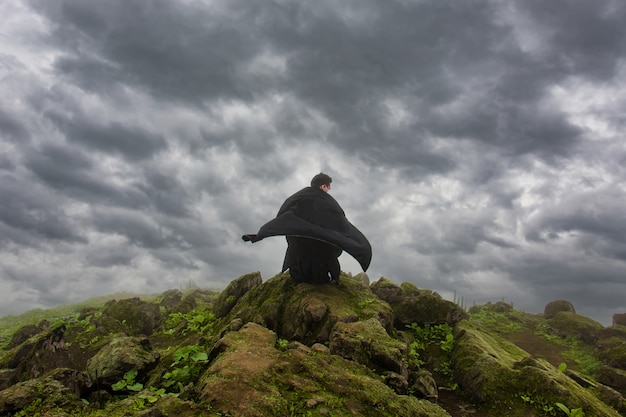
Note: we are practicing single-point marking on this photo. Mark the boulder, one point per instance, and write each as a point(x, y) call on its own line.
point(234, 291)
point(250, 377)
point(553, 307)
point(368, 343)
point(132, 316)
point(424, 385)
point(48, 392)
point(614, 378)
point(493, 371)
point(619, 319)
point(411, 305)
point(119, 356)
point(568, 324)
point(308, 312)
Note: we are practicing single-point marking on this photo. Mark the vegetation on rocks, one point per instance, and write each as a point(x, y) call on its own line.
point(277, 348)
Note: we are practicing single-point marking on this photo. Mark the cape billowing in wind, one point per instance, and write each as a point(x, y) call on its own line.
point(312, 213)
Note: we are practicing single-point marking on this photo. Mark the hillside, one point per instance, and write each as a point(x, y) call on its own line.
point(275, 348)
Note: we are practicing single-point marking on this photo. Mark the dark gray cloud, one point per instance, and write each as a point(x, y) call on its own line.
point(477, 144)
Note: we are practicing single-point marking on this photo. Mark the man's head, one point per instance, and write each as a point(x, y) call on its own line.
point(321, 181)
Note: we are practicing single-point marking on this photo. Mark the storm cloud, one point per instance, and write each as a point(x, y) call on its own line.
point(478, 145)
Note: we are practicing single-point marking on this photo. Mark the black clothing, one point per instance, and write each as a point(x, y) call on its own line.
point(317, 232)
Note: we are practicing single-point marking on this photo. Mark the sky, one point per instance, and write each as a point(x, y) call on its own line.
point(479, 145)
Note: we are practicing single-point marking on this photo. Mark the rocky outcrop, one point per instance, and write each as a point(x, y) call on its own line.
point(281, 348)
point(568, 324)
point(119, 356)
point(411, 305)
point(252, 378)
point(557, 306)
point(494, 371)
point(308, 312)
point(234, 291)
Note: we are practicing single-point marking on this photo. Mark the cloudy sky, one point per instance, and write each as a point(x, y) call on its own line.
point(479, 145)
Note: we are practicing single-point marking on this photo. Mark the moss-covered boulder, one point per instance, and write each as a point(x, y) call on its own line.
point(557, 306)
point(368, 343)
point(568, 324)
point(119, 356)
point(614, 378)
point(132, 316)
point(619, 319)
point(308, 312)
point(502, 376)
point(611, 346)
point(39, 396)
point(234, 291)
point(412, 305)
point(251, 377)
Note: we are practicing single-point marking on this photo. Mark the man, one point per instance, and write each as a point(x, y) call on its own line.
point(317, 232)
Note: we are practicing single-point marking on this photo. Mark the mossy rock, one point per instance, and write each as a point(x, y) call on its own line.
point(368, 343)
point(557, 306)
point(308, 312)
point(568, 324)
point(251, 378)
point(613, 377)
point(234, 291)
point(412, 305)
point(501, 376)
point(387, 290)
point(119, 356)
point(40, 396)
point(612, 351)
point(132, 316)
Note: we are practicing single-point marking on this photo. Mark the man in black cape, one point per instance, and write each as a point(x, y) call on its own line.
point(317, 232)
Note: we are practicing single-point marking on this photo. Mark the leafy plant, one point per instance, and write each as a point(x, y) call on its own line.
point(433, 335)
point(128, 383)
point(187, 365)
point(197, 321)
point(282, 344)
point(575, 412)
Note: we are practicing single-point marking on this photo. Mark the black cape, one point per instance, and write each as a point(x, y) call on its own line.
point(312, 213)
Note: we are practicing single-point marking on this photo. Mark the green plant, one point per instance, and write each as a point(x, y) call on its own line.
point(575, 412)
point(197, 321)
point(187, 365)
point(128, 383)
point(282, 344)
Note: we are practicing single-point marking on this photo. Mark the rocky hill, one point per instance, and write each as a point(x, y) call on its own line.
point(275, 348)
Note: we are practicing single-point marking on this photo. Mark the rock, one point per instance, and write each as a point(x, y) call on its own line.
point(171, 300)
point(308, 312)
point(411, 305)
point(612, 398)
point(131, 316)
point(619, 319)
point(611, 346)
point(51, 394)
point(568, 324)
point(119, 356)
point(78, 382)
point(320, 348)
point(424, 385)
point(553, 307)
point(492, 370)
point(6, 378)
point(23, 334)
point(234, 291)
point(250, 377)
point(363, 278)
point(397, 382)
point(387, 290)
point(613, 377)
point(368, 343)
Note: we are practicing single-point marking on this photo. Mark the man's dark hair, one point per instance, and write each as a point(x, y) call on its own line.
point(320, 179)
